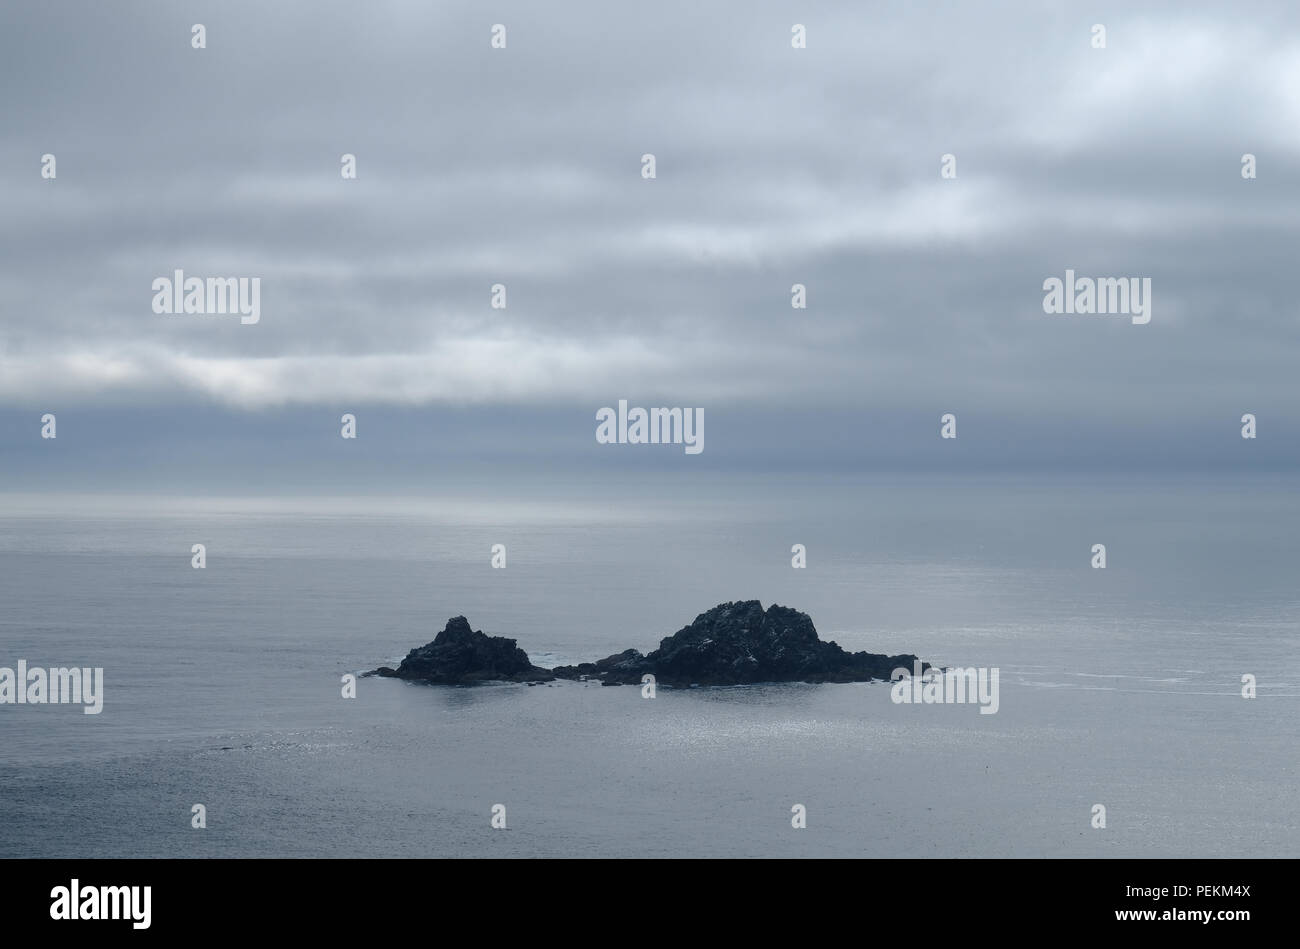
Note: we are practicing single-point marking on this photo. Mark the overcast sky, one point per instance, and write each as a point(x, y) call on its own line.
point(522, 166)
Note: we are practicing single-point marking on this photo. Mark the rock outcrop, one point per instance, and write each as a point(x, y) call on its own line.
point(732, 644)
point(461, 656)
point(740, 643)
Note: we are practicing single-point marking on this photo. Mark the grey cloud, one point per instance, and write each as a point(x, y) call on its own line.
point(776, 166)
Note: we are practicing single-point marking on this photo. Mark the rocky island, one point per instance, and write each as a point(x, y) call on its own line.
point(732, 644)
point(462, 656)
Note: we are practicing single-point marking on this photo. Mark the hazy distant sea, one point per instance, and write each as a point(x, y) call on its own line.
point(1118, 686)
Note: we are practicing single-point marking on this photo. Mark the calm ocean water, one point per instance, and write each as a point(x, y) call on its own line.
point(222, 686)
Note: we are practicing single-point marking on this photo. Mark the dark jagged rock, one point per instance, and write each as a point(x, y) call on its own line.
point(741, 643)
point(626, 666)
point(462, 656)
point(732, 644)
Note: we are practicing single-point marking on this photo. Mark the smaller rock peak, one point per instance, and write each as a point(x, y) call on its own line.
point(457, 628)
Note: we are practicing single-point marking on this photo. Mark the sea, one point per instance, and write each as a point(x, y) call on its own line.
point(1150, 707)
